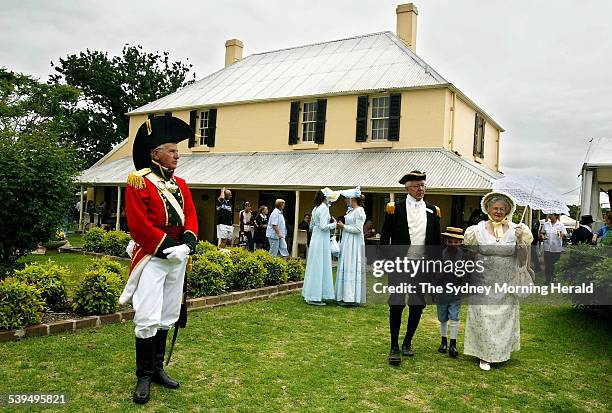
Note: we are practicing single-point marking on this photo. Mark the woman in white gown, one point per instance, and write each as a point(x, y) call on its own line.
point(492, 330)
point(318, 278)
point(350, 277)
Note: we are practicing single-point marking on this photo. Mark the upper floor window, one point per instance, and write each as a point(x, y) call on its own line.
point(309, 121)
point(204, 116)
point(380, 118)
point(479, 136)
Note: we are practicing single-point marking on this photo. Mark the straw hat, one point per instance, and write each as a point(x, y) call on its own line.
point(485, 199)
point(453, 232)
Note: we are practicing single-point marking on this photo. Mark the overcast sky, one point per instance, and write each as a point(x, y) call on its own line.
point(542, 69)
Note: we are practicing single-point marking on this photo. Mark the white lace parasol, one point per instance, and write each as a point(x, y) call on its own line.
point(533, 192)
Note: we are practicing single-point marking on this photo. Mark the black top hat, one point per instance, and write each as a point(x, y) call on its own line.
point(155, 132)
point(586, 220)
point(413, 176)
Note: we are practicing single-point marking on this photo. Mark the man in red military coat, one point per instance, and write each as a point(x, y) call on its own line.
point(163, 224)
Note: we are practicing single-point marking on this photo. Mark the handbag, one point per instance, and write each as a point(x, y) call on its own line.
point(334, 246)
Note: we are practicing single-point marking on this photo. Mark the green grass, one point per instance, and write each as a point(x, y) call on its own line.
point(76, 240)
point(281, 355)
point(75, 263)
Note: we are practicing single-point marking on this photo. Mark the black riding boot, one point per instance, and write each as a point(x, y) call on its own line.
point(414, 316)
point(443, 346)
point(145, 352)
point(159, 375)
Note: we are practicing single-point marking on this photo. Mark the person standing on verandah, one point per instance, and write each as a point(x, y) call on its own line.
point(350, 277)
point(492, 329)
point(318, 279)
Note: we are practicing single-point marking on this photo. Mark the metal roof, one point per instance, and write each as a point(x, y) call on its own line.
point(373, 170)
point(372, 62)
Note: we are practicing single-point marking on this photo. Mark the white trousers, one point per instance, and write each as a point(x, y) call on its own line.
point(157, 299)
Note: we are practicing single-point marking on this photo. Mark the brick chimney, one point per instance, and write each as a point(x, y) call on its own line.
point(233, 51)
point(407, 24)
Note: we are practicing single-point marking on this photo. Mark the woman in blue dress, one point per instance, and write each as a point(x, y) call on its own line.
point(350, 277)
point(318, 280)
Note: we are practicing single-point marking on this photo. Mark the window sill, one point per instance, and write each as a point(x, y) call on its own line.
point(478, 159)
point(306, 145)
point(376, 144)
point(200, 149)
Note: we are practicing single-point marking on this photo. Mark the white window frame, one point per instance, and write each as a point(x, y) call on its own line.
point(372, 119)
point(203, 119)
point(308, 136)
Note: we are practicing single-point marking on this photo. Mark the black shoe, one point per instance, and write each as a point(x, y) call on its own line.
point(141, 392)
point(452, 349)
point(407, 349)
point(145, 353)
point(395, 359)
point(159, 375)
point(442, 349)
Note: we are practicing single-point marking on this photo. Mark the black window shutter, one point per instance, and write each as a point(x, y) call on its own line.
point(294, 122)
point(483, 123)
point(395, 108)
point(212, 128)
point(320, 128)
point(193, 116)
point(476, 124)
point(361, 130)
point(151, 116)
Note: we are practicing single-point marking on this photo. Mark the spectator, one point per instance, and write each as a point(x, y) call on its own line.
point(277, 230)
point(225, 218)
point(605, 233)
point(305, 225)
point(91, 210)
point(369, 230)
point(584, 233)
point(552, 234)
point(246, 224)
point(261, 225)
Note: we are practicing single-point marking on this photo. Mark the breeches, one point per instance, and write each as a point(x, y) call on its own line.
point(157, 299)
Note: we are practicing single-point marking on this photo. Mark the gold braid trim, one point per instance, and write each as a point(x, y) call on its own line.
point(136, 179)
point(390, 208)
point(438, 213)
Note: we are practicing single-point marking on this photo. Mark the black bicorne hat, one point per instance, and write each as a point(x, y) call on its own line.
point(157, 131)
point(586, 220)
point(413, 176)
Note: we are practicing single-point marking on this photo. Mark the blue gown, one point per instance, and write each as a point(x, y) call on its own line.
point(319, 280)
point(350, 277)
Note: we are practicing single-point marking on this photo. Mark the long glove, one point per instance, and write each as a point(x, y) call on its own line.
point(178, 253)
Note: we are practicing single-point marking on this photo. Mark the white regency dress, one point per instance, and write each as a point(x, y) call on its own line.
point(350, 277)
point(492, 330)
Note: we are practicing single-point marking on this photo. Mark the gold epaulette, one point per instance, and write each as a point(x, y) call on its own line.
point(390, 208)
point(438, 213)
point(136, 179)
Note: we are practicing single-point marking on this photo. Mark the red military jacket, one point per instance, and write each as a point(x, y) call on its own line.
point(153, 222)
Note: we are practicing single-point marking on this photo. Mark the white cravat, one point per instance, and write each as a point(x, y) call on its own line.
point(416, 215)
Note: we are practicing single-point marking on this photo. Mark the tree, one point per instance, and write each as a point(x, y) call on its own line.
point(110, 87)
point(37, 175)
point(37, 170)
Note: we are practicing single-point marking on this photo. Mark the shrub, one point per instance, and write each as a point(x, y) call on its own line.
point(295, 269)
point(49, 279)
point(20, 304)
point(237, 254)
point(110, 265)
point(221, 259)
point(203, 247)
point(276, 268)
point(115, 242)
point(98, 293)
point(206, 278)
point(587, 264)
point(93, 240)
point(248, 273)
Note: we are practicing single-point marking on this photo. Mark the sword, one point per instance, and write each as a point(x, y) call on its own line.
point(182, 320)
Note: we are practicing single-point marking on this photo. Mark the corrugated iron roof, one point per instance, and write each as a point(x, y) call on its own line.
point(373, 170)
point(372, 62)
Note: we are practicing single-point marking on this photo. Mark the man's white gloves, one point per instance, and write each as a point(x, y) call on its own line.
point(178, 253)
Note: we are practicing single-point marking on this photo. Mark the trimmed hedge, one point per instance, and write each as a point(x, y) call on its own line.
point(203, 247)
point(295, 269)
point(111, 243)
point(206, 278)
point(20, 304)
point(92, 240)
point(276, 268)
point(49, 279)
point(247, 273)
point(99, 292)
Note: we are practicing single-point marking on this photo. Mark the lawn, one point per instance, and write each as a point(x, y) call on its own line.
point(281, 355)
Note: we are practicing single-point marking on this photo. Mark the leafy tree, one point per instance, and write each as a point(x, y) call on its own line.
point(37, 175)
point(112, 86)
point(27, 105)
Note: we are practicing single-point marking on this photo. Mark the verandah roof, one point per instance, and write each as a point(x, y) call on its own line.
point(373, 170)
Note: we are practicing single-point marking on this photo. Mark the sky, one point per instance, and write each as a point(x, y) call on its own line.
point(541, 69)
